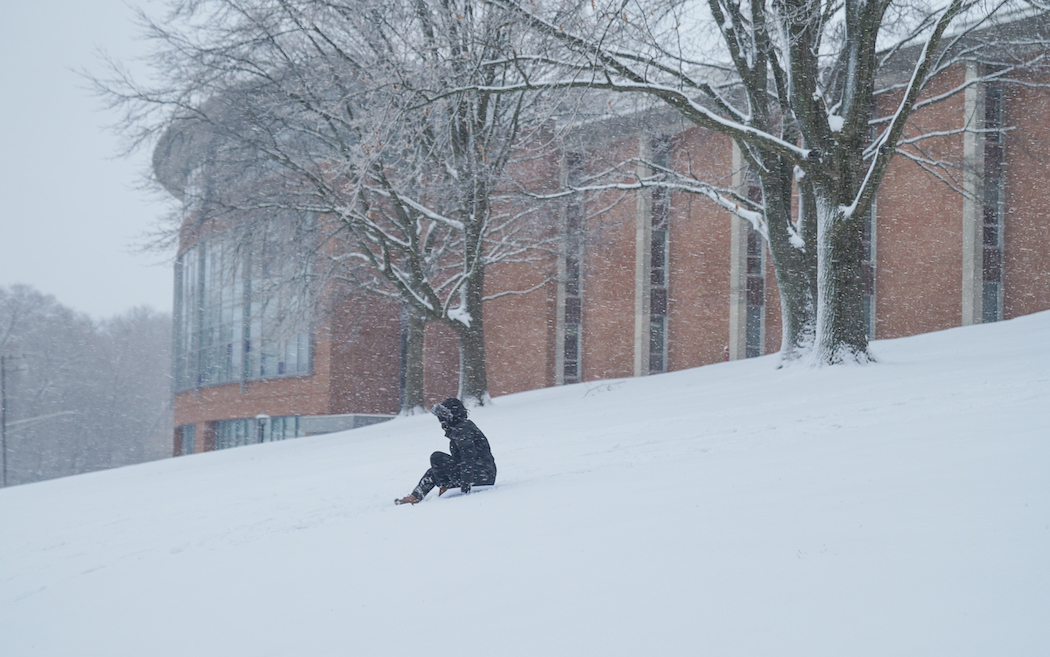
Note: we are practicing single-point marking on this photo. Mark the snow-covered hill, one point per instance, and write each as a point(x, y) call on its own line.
point(736, 509)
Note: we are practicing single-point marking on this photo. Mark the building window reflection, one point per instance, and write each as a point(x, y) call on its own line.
point(250, 431)
point(237, 317)
point(992, 233)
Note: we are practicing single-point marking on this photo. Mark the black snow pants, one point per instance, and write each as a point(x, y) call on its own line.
point(442, 473)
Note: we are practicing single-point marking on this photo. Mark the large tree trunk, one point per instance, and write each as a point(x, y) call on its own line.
point(473, 378)
point(412, 401)
point(795, 269)
point(841, 334)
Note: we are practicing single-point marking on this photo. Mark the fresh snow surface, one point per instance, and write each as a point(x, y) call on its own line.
point(901, 508)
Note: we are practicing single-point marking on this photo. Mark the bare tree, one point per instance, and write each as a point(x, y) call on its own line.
point(82, 395)
point(817, 95)
point(310, 110)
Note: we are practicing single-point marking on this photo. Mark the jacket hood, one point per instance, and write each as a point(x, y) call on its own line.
point(450, 411)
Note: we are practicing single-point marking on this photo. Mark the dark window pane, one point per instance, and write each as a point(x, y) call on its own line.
point(660, 208)
point(993, 106)
point(657, 343)
point(754, 332)
point(755, 291)
point(574, 164)
point(991, 214)
point(754, 190)
point(572, 276)
point(656, 335)
point(572, 348)
point(189, 438)
point(658, 301)
point(867, 274)
point(993, 165)
point(658, 249)
point(754, 243)
point(992, 265)
point(572, 310)
point(991, 235)
point(574, 219)
point(869, 310)
point(661, 150)
point(990, 301)
point(656, 363)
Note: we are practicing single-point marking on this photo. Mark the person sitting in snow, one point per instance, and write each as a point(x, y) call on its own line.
point(469, 464)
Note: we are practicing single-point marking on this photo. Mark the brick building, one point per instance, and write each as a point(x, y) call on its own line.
point(644, 282)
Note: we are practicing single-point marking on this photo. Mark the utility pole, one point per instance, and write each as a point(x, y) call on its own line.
point(3, 419)
point(3, 416)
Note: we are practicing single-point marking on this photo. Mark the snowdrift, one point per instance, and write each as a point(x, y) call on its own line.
point(897, 509)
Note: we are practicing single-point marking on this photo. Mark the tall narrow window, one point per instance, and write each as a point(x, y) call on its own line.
point(658, 271)
point(867, 271)
point(188, 438)
point(573, 282)
point(756, 279)
point(868, 244)
point(992, 267)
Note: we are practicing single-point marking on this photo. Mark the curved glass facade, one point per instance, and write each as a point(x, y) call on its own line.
point(237, 316)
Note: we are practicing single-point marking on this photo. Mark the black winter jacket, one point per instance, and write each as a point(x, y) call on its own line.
point(471, 454)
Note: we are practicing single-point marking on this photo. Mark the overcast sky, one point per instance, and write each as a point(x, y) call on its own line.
point(71, 218)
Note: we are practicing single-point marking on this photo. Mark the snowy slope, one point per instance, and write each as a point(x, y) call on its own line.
point(736, 509)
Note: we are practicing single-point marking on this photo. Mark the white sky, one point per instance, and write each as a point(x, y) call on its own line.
point(71, 218)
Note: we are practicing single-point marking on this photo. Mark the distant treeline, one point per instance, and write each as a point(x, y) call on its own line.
point(80, 394)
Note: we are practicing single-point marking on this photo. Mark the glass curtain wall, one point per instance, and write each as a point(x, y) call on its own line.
point(237, 317)
point(250, 431)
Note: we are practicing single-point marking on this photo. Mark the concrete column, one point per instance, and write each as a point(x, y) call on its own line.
point(642, 257)
point(738, 267)
point(559, 331)
point(973, 201)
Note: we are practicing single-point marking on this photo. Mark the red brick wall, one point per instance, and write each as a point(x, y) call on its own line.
point(520, 329)
point(366, 357)
point(440, 363)
point(1027, 225)
point(607, 343)
point(699, 255)
point(919, 232)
